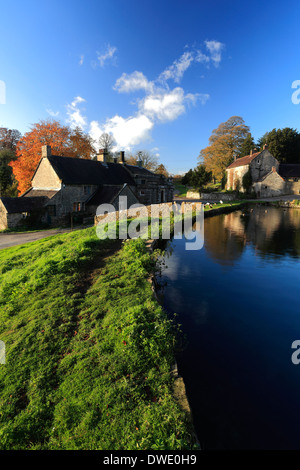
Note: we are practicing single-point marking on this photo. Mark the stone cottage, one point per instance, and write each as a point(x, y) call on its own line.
point(267, 177)
point(73, 187)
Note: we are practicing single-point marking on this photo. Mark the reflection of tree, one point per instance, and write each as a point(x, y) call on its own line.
point(224, 237)
point(285, 239)
point(272, 231)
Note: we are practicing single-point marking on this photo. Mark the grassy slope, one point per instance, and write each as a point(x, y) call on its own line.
point(88, 363)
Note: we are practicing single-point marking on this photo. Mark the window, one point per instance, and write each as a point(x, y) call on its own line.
point(142, 193)
point(143, 181)
point(86, 190)
point(51, 210)
point(76, 206)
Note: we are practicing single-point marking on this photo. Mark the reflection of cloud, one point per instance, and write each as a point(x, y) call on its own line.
point(172, 271)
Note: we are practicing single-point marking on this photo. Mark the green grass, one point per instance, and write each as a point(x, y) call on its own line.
point(89, 353)
point(181, 190)
point(232, 204)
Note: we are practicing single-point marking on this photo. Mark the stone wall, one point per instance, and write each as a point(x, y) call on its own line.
point(235, 178)
point(294, 187)
point(219, 196)
point(154, 210)
point(13, 220)
point(272, 185)
point(262, 165)
point(3, 217)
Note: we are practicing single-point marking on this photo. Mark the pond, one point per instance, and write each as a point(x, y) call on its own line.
point(238, 301)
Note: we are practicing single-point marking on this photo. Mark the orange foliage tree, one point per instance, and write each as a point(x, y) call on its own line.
point(224, 144)
point(63, 140)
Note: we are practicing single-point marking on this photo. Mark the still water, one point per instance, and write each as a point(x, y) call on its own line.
point(238, 301)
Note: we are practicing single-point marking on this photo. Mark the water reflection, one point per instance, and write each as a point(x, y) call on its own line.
point(271, 231)
point(237, 301)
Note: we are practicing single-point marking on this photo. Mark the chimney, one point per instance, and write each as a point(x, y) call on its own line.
point(102, 156)
point(139, 161)
point(251, 151)
point(265, 146)
point(122, 157)
point(46, 150)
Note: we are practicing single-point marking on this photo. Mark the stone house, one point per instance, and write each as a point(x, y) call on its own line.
point(72, 188)
point(268, 177)
point(14, 211)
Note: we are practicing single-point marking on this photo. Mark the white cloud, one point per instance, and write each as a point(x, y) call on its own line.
point(77, 99)
point(164, 106)
point(107, 55)
point(52, 113)
point(75, 118)
point(159, 104)
point(81, 60)
point(132, 82)
point(177, 69)
point(215, 48)
point(202, 58)
point(127, 132)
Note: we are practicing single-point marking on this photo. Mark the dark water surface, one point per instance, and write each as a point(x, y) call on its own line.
point(238, 301)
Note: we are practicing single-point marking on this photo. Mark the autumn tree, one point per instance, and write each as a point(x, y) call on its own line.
point(149, 161)
point(63, 140)
point(161, 170)
point(82, 144)
point(224, 145)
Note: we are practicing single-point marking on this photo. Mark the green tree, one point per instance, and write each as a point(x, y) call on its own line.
point(283, 144)
point(187, 178)
point(247, 145)
point(247, 181)
point(8, 184)
point(198, 177)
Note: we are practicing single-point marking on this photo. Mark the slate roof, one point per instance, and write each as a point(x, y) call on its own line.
point(137, 170)
point(289, 170)
point(39, 193)
point(14, 205)
point(104, 195)
point(81, 171)
point(243, 160)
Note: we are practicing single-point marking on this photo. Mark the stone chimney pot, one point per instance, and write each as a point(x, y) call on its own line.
point(46, 151)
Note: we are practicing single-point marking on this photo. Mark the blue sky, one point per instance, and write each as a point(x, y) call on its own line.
point(159, 75)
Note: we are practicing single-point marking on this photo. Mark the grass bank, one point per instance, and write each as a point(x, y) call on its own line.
point(89, 350)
